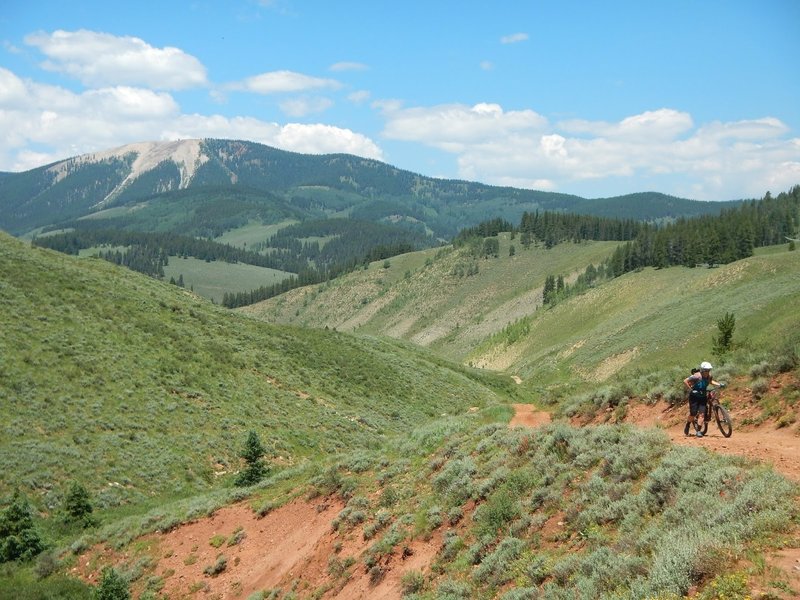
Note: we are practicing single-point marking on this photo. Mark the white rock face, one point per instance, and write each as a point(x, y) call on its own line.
point(186, 154)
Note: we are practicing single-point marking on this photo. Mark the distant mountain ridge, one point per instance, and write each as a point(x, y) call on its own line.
point(312, 186)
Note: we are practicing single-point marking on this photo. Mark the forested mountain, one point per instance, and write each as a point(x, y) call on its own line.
point(234, 181)
point(314, 216)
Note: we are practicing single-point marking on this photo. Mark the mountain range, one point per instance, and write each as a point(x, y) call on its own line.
point(242, 181)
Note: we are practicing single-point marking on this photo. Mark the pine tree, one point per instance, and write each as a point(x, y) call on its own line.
point(19, 539)
point(77, 505)
point(252, 453)
point(724, 341)
point(549, 292)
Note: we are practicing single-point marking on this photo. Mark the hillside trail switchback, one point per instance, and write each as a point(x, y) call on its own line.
point(779, 447)
point(292, 545)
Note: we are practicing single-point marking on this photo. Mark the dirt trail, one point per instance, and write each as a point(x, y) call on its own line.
point(767, 444)
point(295, 547)
point(526, 415)
point(779, 447)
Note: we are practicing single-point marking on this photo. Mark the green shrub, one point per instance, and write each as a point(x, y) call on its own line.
point(732, 586)
point(759, 387)
point(450, 589)
point(218, 567)
point(452, 544)
point(495, 569)
point(19, 584)
point(412, 582)
point(494, 516)
point(455, 480)
point(521, 593)
point(112, 586)
point(237, 537)
point(389, 497)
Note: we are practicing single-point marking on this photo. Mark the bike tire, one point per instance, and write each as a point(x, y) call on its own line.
point(724, 422)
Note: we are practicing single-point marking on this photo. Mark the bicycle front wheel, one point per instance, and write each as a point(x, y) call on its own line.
point(724, 421)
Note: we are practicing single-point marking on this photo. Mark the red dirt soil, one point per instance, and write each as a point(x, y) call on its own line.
point(291, 547)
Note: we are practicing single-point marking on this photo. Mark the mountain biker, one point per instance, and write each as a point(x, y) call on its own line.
point(697, 383)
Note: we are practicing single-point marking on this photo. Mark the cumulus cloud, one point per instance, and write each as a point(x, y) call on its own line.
point(662, 124)
point(713, 161)
point(297, 137)
point(453, 126)
point(102, 59)
point(44, 123)
point(277, 82)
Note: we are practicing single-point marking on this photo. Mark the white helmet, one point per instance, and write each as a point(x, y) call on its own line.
point(705, 366)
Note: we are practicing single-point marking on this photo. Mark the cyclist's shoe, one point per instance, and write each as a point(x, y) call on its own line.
point(699, 434)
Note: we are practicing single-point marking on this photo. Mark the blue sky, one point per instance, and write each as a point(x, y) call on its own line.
point(695, 98)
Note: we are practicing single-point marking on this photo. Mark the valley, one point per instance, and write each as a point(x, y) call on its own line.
point(491, 417)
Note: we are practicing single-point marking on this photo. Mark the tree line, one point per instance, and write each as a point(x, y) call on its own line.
point(706, 240)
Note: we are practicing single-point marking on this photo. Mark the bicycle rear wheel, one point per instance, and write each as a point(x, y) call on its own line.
point(724, 421)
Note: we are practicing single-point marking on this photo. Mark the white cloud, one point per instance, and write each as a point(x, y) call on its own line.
point(514, 38)
point(296, 137)
point(661, 124)
point(486, 65)
point(757, 129)
point(359, 97)
point(302, 106)
point(453, 126)
point(43, 123)
point(102, 59)
point(284, 81)
point(640, 152)
point(13, 93)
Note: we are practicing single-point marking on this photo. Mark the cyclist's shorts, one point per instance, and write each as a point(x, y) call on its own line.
point(697, 404)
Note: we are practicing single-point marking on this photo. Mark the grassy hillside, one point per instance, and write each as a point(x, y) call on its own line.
point(213, 279)
point(144, 393)
point(443, 299)
point(653, 319)
point(647, 321)
point(139, 389)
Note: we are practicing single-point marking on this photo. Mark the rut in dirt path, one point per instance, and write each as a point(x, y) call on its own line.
point(777, 447)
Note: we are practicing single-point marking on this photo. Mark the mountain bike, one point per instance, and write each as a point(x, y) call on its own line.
point(721, 414)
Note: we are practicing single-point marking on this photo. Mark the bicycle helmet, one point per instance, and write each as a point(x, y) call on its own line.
point(705, 366)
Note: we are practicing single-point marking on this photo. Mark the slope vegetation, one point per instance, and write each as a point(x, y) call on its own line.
point(445, 299)
point(495, 319)
point(646, 320)
point(138, 389)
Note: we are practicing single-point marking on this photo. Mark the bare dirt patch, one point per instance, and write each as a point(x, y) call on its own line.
point(291, 548)
point(527, 415)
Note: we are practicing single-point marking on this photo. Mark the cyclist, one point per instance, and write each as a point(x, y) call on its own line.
point(697, 383)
